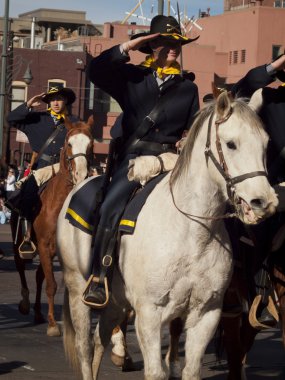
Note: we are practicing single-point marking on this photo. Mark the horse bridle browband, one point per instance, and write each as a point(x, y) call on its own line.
point(221, 164)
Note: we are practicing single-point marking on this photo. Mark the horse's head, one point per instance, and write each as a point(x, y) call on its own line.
point(78, 149)
point(238, 141)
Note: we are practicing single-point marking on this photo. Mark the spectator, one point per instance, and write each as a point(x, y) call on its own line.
point(10, 182)
point(5, 214)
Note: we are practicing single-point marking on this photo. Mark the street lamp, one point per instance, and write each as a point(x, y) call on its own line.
point(28, 77)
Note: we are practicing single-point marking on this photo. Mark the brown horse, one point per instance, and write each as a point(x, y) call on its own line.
point(73, 169)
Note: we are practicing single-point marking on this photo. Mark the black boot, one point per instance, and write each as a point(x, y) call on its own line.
point(97, 291)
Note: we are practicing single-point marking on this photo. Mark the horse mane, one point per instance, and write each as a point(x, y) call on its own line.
point(241, 109)
point(186, 153)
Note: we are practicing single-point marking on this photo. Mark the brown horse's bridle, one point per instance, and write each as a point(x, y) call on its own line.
point(221, 164)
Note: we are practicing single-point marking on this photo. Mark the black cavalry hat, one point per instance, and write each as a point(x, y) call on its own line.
point(168, 28)
point(64, 91)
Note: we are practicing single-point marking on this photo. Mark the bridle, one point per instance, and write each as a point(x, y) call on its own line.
point(69, 158)
point(222, 167)
point(72, 157)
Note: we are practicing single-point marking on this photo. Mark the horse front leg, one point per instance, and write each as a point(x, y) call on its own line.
point(148, 328)
point(172, 357)
point(120, 355)
point(200, 329)
point(24, 305)
point(39, 318)
point(233, 346)
point(46, 252)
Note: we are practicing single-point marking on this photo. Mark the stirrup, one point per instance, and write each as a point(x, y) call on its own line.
point(27, 249)
point(253, 310)
point(95, 279)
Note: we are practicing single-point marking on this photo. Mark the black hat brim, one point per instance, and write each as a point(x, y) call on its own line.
point(147, 49)
point(66, 92)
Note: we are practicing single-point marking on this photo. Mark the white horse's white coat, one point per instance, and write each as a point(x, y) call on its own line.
point(174, 265)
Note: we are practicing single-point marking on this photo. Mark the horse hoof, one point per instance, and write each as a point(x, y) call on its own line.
point(53, 331)
point(117, 360)
point(24, 307)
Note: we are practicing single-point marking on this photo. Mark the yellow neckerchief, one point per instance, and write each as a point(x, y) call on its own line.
point(57, 116)
point(174, 68)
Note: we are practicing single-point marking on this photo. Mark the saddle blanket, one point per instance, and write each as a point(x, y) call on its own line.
point(81, 209)
point(129, 218)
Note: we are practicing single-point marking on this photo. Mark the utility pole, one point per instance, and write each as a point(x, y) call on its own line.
point(160, 7)
point(3, 75)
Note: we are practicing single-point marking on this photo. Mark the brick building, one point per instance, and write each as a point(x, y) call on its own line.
point(247, 34)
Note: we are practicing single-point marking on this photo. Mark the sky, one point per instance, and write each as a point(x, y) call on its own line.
point(100, 11)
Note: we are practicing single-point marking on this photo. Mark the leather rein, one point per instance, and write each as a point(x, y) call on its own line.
point(222, 167)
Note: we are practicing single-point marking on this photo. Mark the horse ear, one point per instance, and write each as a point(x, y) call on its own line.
point(223, 104)
point(90, 121)
point(256, 100)
point(217, 90)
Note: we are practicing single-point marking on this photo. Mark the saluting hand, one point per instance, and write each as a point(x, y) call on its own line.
point(35, 101)
point(136, 43)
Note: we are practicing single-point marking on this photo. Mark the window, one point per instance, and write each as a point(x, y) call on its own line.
point(276, 51)
point(243, 56)
point(19, 94)
point(235, 56)
point(277, 4)
point(231, 58)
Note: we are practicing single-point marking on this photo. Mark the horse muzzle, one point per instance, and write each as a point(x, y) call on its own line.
point(257, 209)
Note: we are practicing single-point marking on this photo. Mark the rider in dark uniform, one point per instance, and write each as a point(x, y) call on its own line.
point(137, 89)
point(272, 114)
point(46, 133)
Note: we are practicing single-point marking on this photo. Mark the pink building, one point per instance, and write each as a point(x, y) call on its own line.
point(248, 34)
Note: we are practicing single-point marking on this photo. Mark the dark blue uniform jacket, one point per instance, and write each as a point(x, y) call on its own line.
point(272, 114)
point(38, 126)
point(136, 90)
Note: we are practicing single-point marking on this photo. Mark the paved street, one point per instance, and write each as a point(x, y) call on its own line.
point(26, 353)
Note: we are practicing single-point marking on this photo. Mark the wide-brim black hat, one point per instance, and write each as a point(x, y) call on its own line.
point(168, 28)
point(64, 91)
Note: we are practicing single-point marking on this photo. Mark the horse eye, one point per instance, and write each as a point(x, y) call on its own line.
point(231, 145)
point(69, 145)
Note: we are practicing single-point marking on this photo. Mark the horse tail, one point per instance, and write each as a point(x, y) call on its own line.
point(69, 334)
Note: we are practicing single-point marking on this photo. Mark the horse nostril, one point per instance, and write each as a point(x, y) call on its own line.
point(258, 203)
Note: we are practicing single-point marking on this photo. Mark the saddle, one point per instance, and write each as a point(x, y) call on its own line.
point(146, 170)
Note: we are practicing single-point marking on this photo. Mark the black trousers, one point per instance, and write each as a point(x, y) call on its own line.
point(119, 192)
point(29, 198)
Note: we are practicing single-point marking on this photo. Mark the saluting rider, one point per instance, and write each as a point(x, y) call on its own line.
point(46, 133)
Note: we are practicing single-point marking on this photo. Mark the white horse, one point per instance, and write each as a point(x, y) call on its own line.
point(178, 262)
